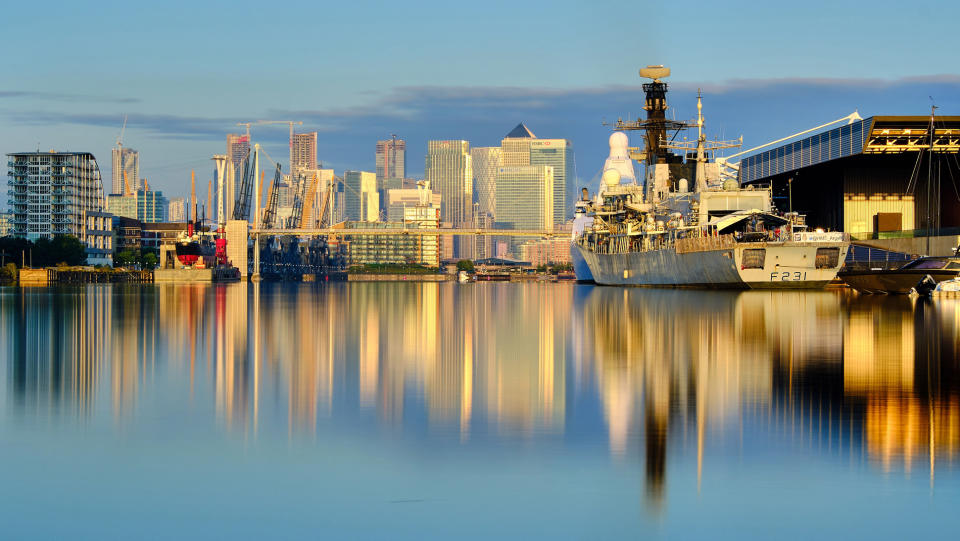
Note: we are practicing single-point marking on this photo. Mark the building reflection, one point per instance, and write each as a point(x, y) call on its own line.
point(673, 373)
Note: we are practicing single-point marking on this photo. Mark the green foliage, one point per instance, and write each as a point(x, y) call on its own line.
point(65, 249)
point(148, 260)
point(390, 268)
point(465, 265)
point(125, 258)
point(8, 273)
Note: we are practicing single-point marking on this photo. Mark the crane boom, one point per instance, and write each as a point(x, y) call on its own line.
point(270, 214)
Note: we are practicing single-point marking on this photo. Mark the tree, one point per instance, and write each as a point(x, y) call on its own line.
point(465, 265)
point(125, 258)
point(149, 260)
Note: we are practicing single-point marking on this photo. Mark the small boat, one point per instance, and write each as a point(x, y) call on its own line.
point(947, 288)
point(902, 280)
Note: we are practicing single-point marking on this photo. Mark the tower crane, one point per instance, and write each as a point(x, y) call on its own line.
point(266, 122)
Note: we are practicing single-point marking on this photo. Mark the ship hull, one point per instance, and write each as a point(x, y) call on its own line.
point(786, 266)
point(580, 267)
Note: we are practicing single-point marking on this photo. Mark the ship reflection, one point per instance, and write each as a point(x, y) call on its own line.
point(667, 374)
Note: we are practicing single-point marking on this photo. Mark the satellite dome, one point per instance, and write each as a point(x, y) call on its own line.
point(611, 177)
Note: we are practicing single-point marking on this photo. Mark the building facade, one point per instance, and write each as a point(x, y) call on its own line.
point(148, 206)
point(238, 148)
point(391, 159)
point(6, 219)
point(303, 153)
point(868, 177)
point(449, 170)
point(525, 197)
point(177, 210)
point(557, 153)
point(50, 193)
point(361, 202)
point(486, 162)
point(98, 237)
point(125, 160)
point(400, 199)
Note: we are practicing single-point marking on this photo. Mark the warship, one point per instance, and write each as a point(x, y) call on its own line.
point(715, 233)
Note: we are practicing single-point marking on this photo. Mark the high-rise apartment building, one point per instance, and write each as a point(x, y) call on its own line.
point(391, 159)
point(177, 210)
point(449, 170)
point(361, 202)
point(238, 148)
point(50, 193)
point(303, 152)
point(557, 153)
point(125, 160)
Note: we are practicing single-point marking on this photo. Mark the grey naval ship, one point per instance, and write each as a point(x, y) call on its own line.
point(715, 233)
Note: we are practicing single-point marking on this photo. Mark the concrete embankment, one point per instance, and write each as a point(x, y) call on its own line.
point(938, 246)
point(400, 277)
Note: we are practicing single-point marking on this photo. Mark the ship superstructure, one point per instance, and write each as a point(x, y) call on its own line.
point(708, 233)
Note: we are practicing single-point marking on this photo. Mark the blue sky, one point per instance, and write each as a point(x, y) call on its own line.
point(186, 72)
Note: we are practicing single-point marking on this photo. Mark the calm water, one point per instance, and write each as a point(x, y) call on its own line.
point(475, 411)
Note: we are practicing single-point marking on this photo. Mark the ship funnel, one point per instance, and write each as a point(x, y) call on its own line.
point(584, 194)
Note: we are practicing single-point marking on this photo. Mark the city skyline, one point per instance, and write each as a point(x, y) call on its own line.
point(180, 109)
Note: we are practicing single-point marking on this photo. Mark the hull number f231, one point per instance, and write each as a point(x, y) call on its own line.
point(787, 276)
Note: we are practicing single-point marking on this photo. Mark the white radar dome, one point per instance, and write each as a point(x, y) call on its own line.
point(611, 177)
point(618, 144)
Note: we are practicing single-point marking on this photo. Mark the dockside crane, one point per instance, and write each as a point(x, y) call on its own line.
point(241, 208)
point(270, 214)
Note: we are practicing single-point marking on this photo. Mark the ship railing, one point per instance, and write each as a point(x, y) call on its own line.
point(704, 244)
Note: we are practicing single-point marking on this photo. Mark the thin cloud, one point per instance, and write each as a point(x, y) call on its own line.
point(55, 96)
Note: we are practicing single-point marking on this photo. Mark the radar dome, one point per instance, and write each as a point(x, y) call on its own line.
point(611, 177)
point(618, 143)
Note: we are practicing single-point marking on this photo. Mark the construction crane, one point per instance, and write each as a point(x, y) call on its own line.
point(123, 129)
point(298, 197)
point(241, 208)
point(270, 214)
point(266, 122)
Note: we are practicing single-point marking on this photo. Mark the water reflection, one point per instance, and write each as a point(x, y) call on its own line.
point(664, 374)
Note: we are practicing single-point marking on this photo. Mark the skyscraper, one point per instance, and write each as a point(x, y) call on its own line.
point(303, 153)
point(238, 148)
point(522, 148)
point(360, 198)
point(525, 197)
point(516, 146)
point(125, 160)
point(50, 193)
point(486, 161)
point(391, 159)
point(557, 153)
point(449, 170)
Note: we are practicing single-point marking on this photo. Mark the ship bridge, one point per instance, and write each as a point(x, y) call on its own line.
point(869, 176)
